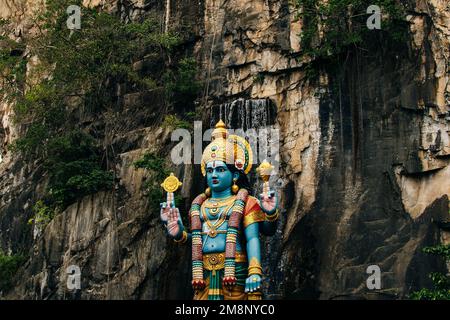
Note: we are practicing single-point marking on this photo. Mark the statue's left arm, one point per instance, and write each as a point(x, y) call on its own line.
point(261, 216)
point(253, 282)
point(254, 218)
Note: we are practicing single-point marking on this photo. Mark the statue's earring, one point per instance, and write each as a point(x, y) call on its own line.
point(208, 192)
point(234, 187)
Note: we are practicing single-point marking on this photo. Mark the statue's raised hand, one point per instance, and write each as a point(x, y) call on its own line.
point(174, 223)
point(269, 202)
point(171, 217)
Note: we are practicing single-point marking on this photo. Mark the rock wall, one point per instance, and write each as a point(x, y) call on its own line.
point(364, 164)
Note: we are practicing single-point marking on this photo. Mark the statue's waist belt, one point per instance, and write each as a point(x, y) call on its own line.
point(216, 261)
point(213, 233)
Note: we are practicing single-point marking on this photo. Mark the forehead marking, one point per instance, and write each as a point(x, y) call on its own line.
point(215, 164)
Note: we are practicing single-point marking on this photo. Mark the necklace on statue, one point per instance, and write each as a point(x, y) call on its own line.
point(221, 212)
point(214, 205)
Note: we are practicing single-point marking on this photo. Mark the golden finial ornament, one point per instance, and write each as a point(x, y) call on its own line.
point(265, 170)
point(171, 183)
point(220, 131)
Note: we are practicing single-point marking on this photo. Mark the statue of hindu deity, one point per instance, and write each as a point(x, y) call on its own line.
point(225, 221)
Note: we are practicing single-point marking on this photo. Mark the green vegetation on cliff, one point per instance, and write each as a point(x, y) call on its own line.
point(181, 86)
point(441, 282)
point(333, 28)
point(74, 167)
point(81, 70)
point(156, 165)
point(77, 76)
point(8, 268)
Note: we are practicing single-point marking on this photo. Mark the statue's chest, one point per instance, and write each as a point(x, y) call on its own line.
point(215, 222)
point(215, 214)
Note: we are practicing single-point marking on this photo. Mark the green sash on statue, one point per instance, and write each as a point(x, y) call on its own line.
point(215, 280)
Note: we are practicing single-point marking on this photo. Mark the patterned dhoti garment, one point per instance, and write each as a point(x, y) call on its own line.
point(213, 264)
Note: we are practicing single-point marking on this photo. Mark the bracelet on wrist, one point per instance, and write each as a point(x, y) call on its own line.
point(183, 238)
point(272, 217)
point(254, 270)
point(254, 267)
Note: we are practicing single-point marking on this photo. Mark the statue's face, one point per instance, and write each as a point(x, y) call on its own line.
point(218, 176)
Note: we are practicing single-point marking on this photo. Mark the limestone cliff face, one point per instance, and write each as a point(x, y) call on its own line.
point(365, 175)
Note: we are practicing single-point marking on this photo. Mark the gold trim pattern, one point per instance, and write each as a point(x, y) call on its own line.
point(217, 232)
point(252, 217)
point(254, 295)
point(210, 203)
point(216, 261)
point(254, 267)
point(215, 292)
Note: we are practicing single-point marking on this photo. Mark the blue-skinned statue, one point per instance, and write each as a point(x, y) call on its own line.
point(225, 221)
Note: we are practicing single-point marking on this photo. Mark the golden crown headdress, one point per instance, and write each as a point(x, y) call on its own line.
point(231, 149)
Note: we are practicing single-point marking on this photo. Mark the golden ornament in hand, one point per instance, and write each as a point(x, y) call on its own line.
point(171, 183)
point(265, 170)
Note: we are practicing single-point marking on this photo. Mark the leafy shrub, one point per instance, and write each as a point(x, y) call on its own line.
point(159, 171)
point(174, 122)
point(182, 86)
point(8, 268)
point(43, 214)
point(74, 169)
point(12, 66)
point(441, 282)
point(154, 163)
point(78, 74)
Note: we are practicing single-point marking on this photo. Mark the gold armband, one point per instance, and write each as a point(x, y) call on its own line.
point(254, 267)
point(183, 238)
point(272, 217)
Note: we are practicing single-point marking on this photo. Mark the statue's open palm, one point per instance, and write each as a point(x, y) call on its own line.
point(174, 225)
point(173, 219)
point(269, 202)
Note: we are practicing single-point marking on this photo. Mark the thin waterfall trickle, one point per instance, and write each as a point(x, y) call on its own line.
point(167, 17)
point(244, 113)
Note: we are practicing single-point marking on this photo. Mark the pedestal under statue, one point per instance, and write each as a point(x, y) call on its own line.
point(225, 221)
